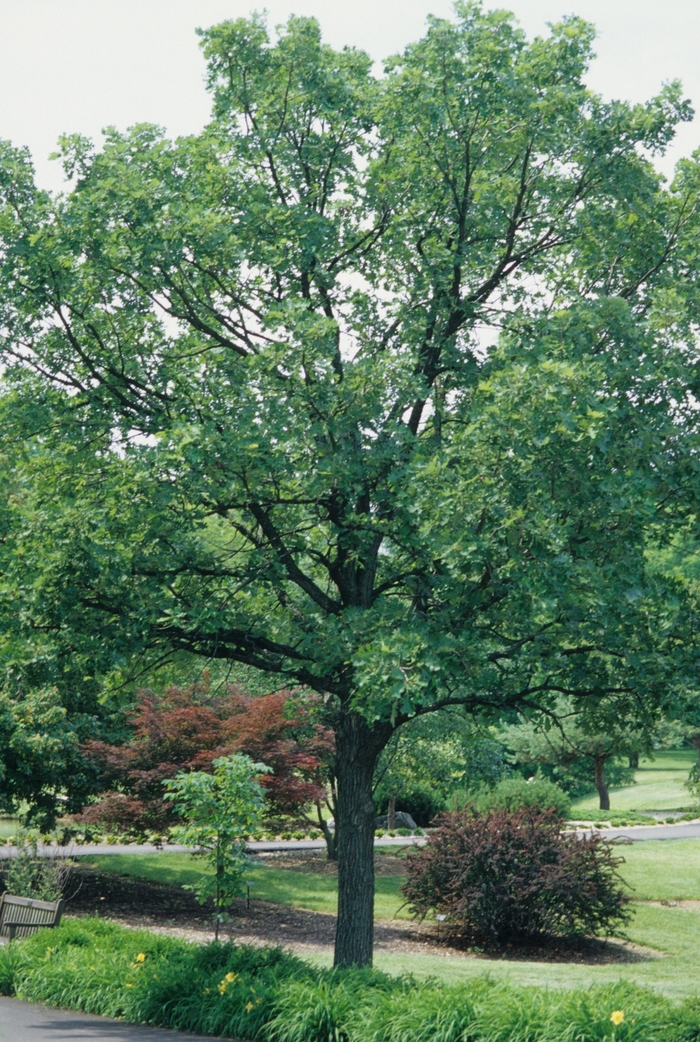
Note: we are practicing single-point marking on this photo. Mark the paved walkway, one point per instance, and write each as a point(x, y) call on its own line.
point(93, 849)
point(29, 1022)
point(683, 830)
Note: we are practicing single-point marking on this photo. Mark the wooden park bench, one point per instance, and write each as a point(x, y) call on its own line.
point(22, 916)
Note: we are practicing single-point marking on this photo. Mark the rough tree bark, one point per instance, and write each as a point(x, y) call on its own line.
point(357, 747)
point(604, 796)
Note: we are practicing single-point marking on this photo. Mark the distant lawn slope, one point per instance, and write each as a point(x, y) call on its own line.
point(658, 785)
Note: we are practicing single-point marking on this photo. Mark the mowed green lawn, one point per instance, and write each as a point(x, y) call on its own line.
point(301, 889)
point(658, 785)
point(8, 827)
point(656, 870)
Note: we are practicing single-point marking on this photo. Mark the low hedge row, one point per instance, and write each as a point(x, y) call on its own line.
point(268, 995)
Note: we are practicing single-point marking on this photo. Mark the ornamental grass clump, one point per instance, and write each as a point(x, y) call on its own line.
point(513, 878)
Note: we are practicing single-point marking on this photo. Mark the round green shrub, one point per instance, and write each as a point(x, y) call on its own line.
point(516, 792)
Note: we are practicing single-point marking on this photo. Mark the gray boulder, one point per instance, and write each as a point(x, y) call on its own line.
point(402, 820)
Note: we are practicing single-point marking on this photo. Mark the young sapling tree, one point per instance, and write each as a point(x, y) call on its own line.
point(219, 811)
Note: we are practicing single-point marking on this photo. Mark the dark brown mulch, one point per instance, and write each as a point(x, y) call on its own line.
point(163, 907)
point(386, 863)
point(593, 951)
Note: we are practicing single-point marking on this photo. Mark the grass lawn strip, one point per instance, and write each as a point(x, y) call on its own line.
point(316, 892)
point(655, 870)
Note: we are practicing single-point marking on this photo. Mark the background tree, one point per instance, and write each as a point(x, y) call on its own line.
point(187, 729)
point(40, 748)
point(572, 739)
point(381, 386)
point(429, 759)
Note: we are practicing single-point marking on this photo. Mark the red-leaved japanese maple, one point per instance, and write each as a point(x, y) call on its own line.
point(186, 728)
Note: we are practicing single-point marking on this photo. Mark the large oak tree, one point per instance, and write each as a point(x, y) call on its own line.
point(381, 385)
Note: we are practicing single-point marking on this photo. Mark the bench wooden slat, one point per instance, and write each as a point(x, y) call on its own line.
point(23, 916)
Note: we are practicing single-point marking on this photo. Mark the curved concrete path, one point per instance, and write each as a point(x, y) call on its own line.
point(634, 833)
point(92, 849)
point(29, 1022)
point(684, 830)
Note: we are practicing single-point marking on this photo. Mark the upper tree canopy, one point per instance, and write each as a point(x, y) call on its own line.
point(382, 385)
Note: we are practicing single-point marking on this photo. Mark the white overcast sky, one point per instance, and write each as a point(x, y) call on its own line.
point(81, 65)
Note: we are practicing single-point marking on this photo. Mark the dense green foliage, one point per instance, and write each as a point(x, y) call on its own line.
point(428, 758)
point(219, 810)
point(516, 792)
point(263, 994)
point(41, 758)
point(380, 385)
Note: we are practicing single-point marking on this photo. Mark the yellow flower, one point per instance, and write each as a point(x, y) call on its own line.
point(129, 985)
point(228, 979)
point(140, 957)
point(617, 1016)
point(248, 1007)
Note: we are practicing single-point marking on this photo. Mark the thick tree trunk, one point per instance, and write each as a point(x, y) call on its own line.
point(599, 767)
point(357, 748)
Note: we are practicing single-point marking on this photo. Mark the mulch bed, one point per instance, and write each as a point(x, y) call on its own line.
point(170, 909)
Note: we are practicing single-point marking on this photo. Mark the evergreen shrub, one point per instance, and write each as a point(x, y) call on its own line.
point(516, 792)
point(514, 877)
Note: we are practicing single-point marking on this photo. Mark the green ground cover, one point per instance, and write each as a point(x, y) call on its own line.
point(658, 786)
point(264, 994)
point(656, 870)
